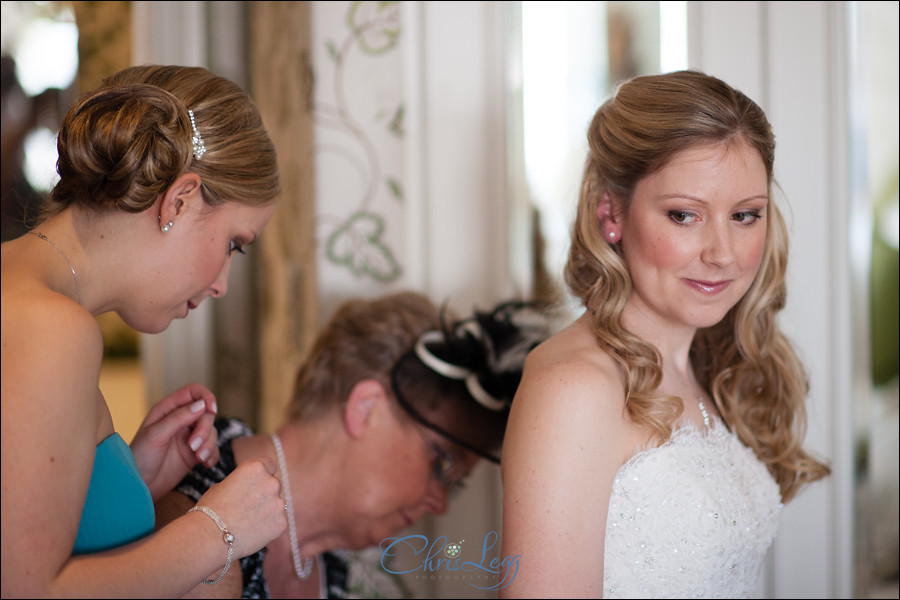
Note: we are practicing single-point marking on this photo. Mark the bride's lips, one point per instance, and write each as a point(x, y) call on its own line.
point(191, 305)
point(710, 288)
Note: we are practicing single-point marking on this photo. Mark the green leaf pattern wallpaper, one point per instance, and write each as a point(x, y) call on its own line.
point(358, 118)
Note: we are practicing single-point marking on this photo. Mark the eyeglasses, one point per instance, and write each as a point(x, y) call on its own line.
point(448, 472)
point(434, 427)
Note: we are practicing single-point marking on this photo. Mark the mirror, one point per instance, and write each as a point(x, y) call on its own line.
point(573, 54)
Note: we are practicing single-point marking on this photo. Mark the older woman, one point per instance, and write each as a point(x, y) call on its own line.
point(391, 410)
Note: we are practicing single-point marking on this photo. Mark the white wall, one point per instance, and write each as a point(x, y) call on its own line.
point(445, 231)
point(792, 57)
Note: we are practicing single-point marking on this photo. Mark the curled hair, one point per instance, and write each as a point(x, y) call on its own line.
point(745, 362)
point(123, 144)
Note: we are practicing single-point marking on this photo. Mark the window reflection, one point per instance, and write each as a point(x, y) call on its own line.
point(573, 54)
point(40, 63)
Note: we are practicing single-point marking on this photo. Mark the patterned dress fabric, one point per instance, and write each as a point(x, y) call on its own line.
point(347, 574)
point(692, 518)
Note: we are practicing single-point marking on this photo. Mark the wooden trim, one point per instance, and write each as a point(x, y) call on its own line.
point(281, 84)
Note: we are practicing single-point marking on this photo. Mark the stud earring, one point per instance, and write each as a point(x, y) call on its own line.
point(165, 228)
point(612, 236)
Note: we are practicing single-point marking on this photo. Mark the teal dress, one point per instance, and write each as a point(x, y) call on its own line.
point(118, 508)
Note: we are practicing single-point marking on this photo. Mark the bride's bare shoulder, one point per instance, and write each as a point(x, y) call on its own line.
point(575, 352)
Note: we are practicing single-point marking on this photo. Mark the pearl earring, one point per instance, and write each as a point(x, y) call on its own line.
point(165, 228)
point(612, 235)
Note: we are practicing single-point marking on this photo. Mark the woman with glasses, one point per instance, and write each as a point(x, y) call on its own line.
point(391, 409)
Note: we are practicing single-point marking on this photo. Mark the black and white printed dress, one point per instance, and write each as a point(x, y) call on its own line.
point(339, 567)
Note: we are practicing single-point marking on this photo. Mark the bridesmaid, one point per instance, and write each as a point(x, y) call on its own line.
point(166, 172)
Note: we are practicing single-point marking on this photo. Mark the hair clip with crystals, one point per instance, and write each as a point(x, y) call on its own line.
point(199, 146)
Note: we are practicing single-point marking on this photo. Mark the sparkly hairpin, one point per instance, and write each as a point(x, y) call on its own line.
point(199, 146)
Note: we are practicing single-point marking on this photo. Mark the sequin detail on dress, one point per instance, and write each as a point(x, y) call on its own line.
point(693, 518)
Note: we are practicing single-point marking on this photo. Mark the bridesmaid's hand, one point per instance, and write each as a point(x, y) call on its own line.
point(177, 434)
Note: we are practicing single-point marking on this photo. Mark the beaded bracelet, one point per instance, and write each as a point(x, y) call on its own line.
point(227, 536)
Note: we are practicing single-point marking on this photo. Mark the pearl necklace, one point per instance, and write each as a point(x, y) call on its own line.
point(65, 258)
point(303, 571)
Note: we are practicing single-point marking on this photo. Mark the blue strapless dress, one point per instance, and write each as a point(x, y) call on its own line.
point(118, 508)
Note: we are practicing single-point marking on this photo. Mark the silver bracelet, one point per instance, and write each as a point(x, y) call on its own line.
point(227, 536)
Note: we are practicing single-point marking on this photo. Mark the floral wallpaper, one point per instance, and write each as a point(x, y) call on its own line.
point(358, 117)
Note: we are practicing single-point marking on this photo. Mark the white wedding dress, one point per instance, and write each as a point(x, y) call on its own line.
point(693, 518)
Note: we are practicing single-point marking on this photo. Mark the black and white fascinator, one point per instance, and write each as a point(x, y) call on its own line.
point(487, 351)
point(484, 355)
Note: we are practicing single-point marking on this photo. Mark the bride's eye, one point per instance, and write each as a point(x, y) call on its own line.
point(681, 217)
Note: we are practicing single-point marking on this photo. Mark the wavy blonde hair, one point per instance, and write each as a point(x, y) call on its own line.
point(746, 363)
point(123, 144)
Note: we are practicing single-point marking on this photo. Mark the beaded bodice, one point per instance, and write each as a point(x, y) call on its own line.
point(692, 518)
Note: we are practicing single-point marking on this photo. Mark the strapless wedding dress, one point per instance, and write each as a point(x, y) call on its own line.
point(693, 518)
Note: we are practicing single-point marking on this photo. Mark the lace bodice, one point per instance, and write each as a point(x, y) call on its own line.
point(692, 518)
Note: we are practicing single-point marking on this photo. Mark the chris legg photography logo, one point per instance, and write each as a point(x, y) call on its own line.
point(441, 559)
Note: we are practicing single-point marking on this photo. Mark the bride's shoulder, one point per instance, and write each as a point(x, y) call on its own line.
point(572, 357)
point(569, 374)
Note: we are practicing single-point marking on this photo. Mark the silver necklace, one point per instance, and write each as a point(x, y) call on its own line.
point(303, 571)
point(65, 258)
